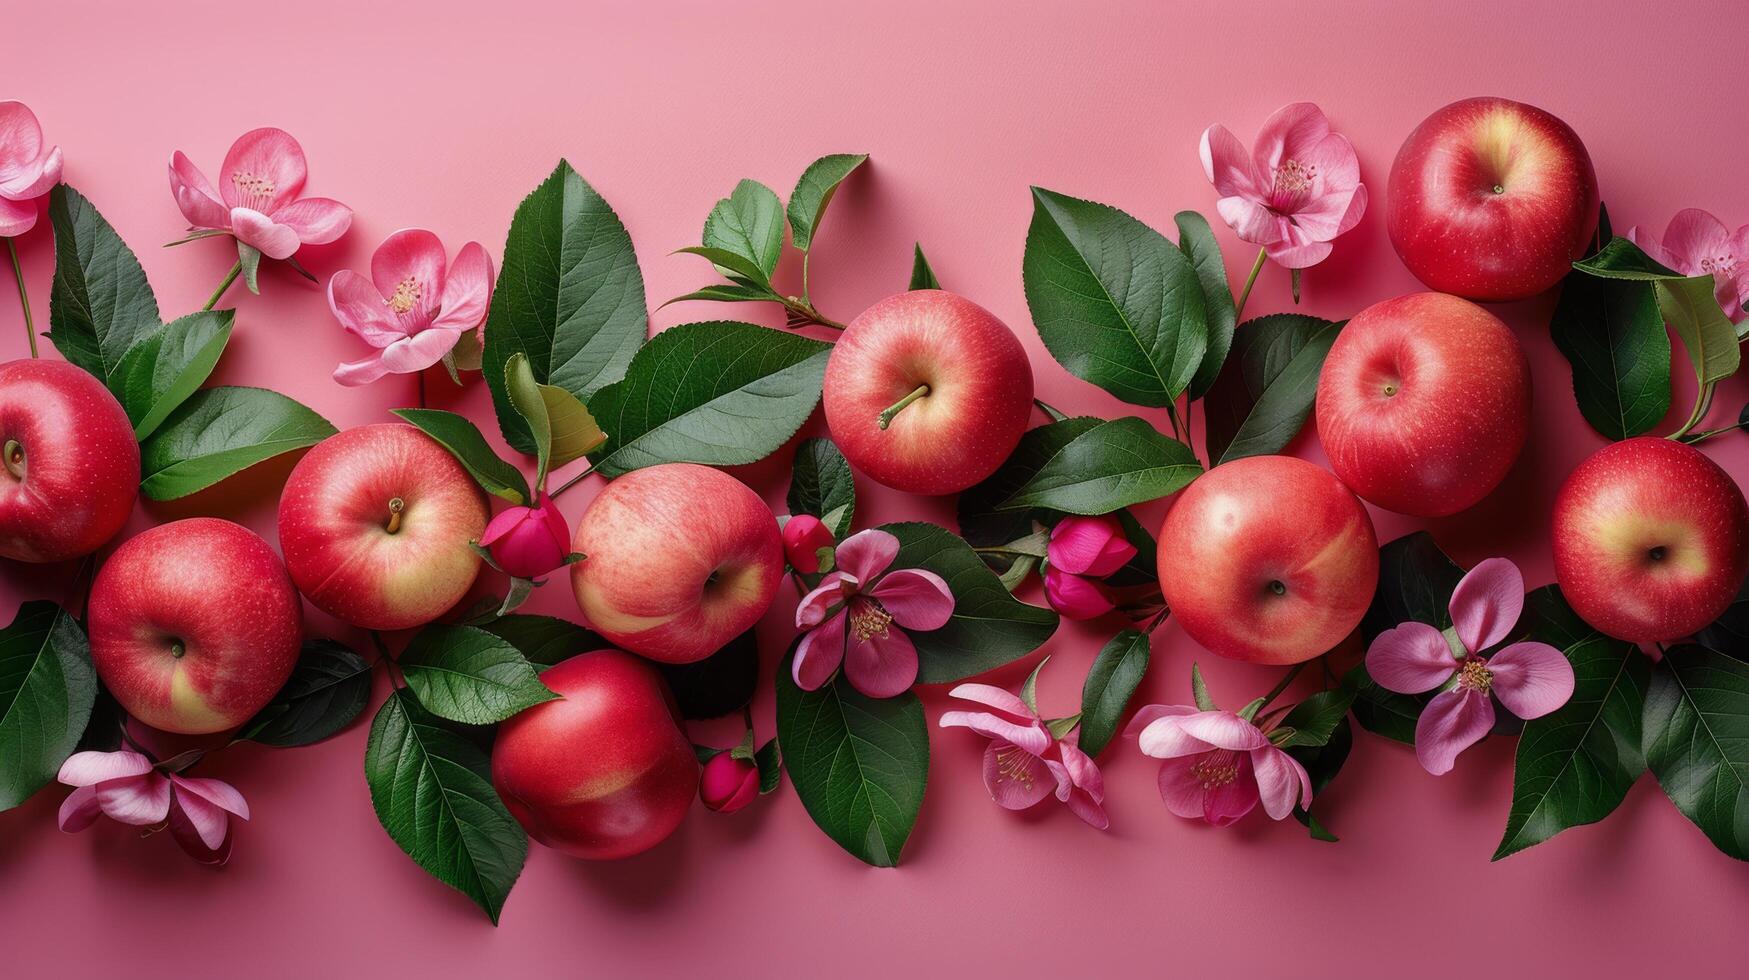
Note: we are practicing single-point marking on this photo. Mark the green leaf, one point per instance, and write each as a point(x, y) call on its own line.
point(562, 429)
point(1144, 568)
point(1613, 334)
point(1112, 465)
point(544, 641)
point(721, 393)
point(47, 688)
point(468, 445)
point(1029, 689)
point(1729, 634)
point(769, 761)
point(100, 304)
point(1693, 312)
point(823, 486)
point(718, 684)
point(469, 675)
point(1266, 391)
point(1199, 690)
point(569, 296)
point(814, 191)
point(989, 627)
point(748, 223)
point(979, 519)
point(1577, 763)
point(164, 368)
point(432, 791)
point(249, 263)
point(1697, 741)
point(1111, 682)
point(1416, 581)
point(859, 764)
point(746, 272)
point(328, 688)
point(1115, 302)
point(922, 276)
point(1197, 241)
point(730, 293)
point(222, 431)
point(1322, 763)
point(1313, 721)
point(1622, 259)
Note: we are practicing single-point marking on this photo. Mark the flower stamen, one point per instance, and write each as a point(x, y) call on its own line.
point(1011, 762)
point(1215, 769)
point(868, 620)
point(1474, 675)
point(407, 294)
point(256, 189)
point(1292, 177)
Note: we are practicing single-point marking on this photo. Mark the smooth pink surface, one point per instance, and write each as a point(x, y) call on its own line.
point(663, 107)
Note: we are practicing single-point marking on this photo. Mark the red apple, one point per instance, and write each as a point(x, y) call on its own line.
point(603, 773)
point(1651, 540)
point(1268, 559)
point(679, 559)
point(194, 625)
point(71, 465)
point(376, 524)
point(1491, 199)
point(1424, 404)
point(927, 392)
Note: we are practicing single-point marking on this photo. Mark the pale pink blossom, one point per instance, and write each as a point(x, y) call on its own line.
point(412, 309)
point(859, 614)
point(28, 168)
point(1698, 244)
point(1218, 766)
point(1295, 192)
point(1531, 679)
point(257, 196)
point(129, 788)
point(1023, 764)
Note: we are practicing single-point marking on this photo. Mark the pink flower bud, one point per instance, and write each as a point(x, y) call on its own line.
point(528, 542)
point(1073, 596)
point(1093, 546)
point(803, 537)
point(728, 783)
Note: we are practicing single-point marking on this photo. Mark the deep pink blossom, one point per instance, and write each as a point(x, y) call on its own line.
point(1023, 764)
point(1074, 596)
point(528, 542)
point(28, 168)
point(412, 308)
point(803, 537)
point(1531, 679)
point(127, 787)
point(1295, 192)
point(257, 197)
point(1218, 766)
point(728, 783)
point(859, 614)
point(1698, 244)
point(1081, 550)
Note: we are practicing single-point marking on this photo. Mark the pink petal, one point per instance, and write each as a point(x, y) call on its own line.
point(866, 554)
point(503, 523)
point(188, 836)
point(33, 178)
point(819, 654)
point(21, 137)
point(1410, 658)
point(1016, 778)
point(1452, 722)
point(79, 810)
point(811, 611)
point(215, 791)
point(420, 351)
point(91, 768)
point(209, 822)
point(16, 217)
point(360, 372)
point(1652, 247)
point(467, 290)
point(415, 256)
point(917, 599)
point(195, 196)
point(361, 309)
point(1282, 783)
point(1030, 736)
point(1165, 738)
point(1093, 546)
point(994, 697)
point(1181, 787)
point(1090, 810)
point(1692, 236)
point(882, 666)
point(555, 521)
point(1531, 679)
point(1147, 714)
point(263, 170)
point(1249, 219)
point(1292, 132)
point(1227, 165)
point(1298, 255)
point(1224, 730)
point(1083, 772)
point(1486, 603)
point(1356, 208)
point(1075, 597)
point(317, 220)
point(254, 228)
point(138, 800)
point(1224, 803)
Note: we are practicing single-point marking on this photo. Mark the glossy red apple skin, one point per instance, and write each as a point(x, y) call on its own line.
point(69, 484)
point(679, 559)
point(1624, 502)
point(1459, 235)
point(603, 773)
point(215, 590)
point(1424, 404)
point(334, 519)
point(1247, 526)
point(979, 400)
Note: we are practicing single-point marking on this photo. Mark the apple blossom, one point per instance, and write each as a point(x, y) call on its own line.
point(1023, 763)
point(729, 782)
point(412, 309)
point(528, 542)
point(128, 787)
point(858, 616)
point(1531, 679)
point(803, 537)
point(28, 170)
point(257, 198)
point(1082, 549)
point(1293, 194)
point(1218, 765)
point(1697, 244)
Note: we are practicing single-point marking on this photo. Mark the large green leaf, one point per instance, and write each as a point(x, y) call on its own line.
point(748, 224)
point(1198, 243)
point(47, 688)
point(1697, 741)
point(1114, 301)
point(980, 521)
point(432, 790)
point(1577, 763)
point(100, 304)
point(1613, 334)
point(821, 484)
point(1620, 258)
point(1693, 312)
point(222, 431)
point(1112, 680)
point(1416, 581)
point(1112, 465)
point(468, 445)
point(165, 368)
point(470, 675)
point(814, 191)
point(544, 641)
point(570, 297)
point(859, 764)
point(328, 689)
point(722, 393)
point(989, 627)
point(1261, 400)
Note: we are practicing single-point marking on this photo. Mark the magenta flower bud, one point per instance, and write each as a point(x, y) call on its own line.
point(1093, 546)
point(1075, 597)
point(803, 537)
point(728, 783)
point(528, 542)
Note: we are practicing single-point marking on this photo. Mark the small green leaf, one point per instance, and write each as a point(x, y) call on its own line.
point(47, 689)
point(165, 368)
point(249, 262)
point(1199, 690)
point(1316, 718)
point(544, 641)
point(1612, 333)
point(1265, 392)
point(469, 675)
point(922, 276)
point(221, 431)
point(720, 683)
point(562, 429)
point(823, 486)
point(1198, 243)
point(329, 687)
point(1029, 690)
point(100, 304)
point(468, 445)
point(1111, 682)
point(1622, 259)
point(1697, 741)
point(769, 761)
point(749, 224)
point(814, 191)
point(1112, 465)
point(745, 272)
point(730, 293)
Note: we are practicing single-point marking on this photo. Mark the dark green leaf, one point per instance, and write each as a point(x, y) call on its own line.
point(1622, 259)
point(164, 368)
point(432, 790)
point(1199, 690)
point(47, 688)
point(729, 293)
point(100, 304)
point(814, 191)
point(328, 689)
point(468, 675)
point(544, 641)
point(749, 224)
point(222, 431)
point(468, 445)
point(985, 526)
point(1313, 721)
point(1262, 398)
point(1197, 241)
point(1612, 333)
point(1697, 741)
point(1322, 763)
point(745, 272)
point(770, 764)
point(1111, 682)
point(1144, 568)
point(1729, 634)
point(1416, 581)
point(718, 684)
point(1112, 465)
point(922, 276)
point(103, 731)
point(822, 485)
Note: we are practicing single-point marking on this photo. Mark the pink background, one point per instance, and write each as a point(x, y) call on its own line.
point(445, 115)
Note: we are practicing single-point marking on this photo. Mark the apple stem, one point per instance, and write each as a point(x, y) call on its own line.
point(886, 417)
point(230, 277)
point(23, 298)
point(396, 505)
point(1250, 280)
point(14, 458)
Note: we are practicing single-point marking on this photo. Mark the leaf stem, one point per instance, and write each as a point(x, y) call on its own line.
point(1694, 437)
point(1251, 280)
point(1703, 400)
point(1275, 692)
point(573, 481)
point(23, 297)
point(799, 311)
point(230, 277)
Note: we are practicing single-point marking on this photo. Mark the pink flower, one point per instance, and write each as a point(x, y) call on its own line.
point(411, 309)
point(1075, 597)
point(127, 787)
point(1218, 765)
point(1019, 768)
point(858, 616)
point(1295, 193)
point(27, 169)
point(1531, 679)
point(803, 537)
point(1698, 244)
point(528, 542)
point(728, 783)
point(1083, 549)
point(257, 198)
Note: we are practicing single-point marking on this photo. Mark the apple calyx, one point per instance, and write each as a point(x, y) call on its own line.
point(177, 649)
point(396, 506)
point(886, 417)
point(13, 457)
